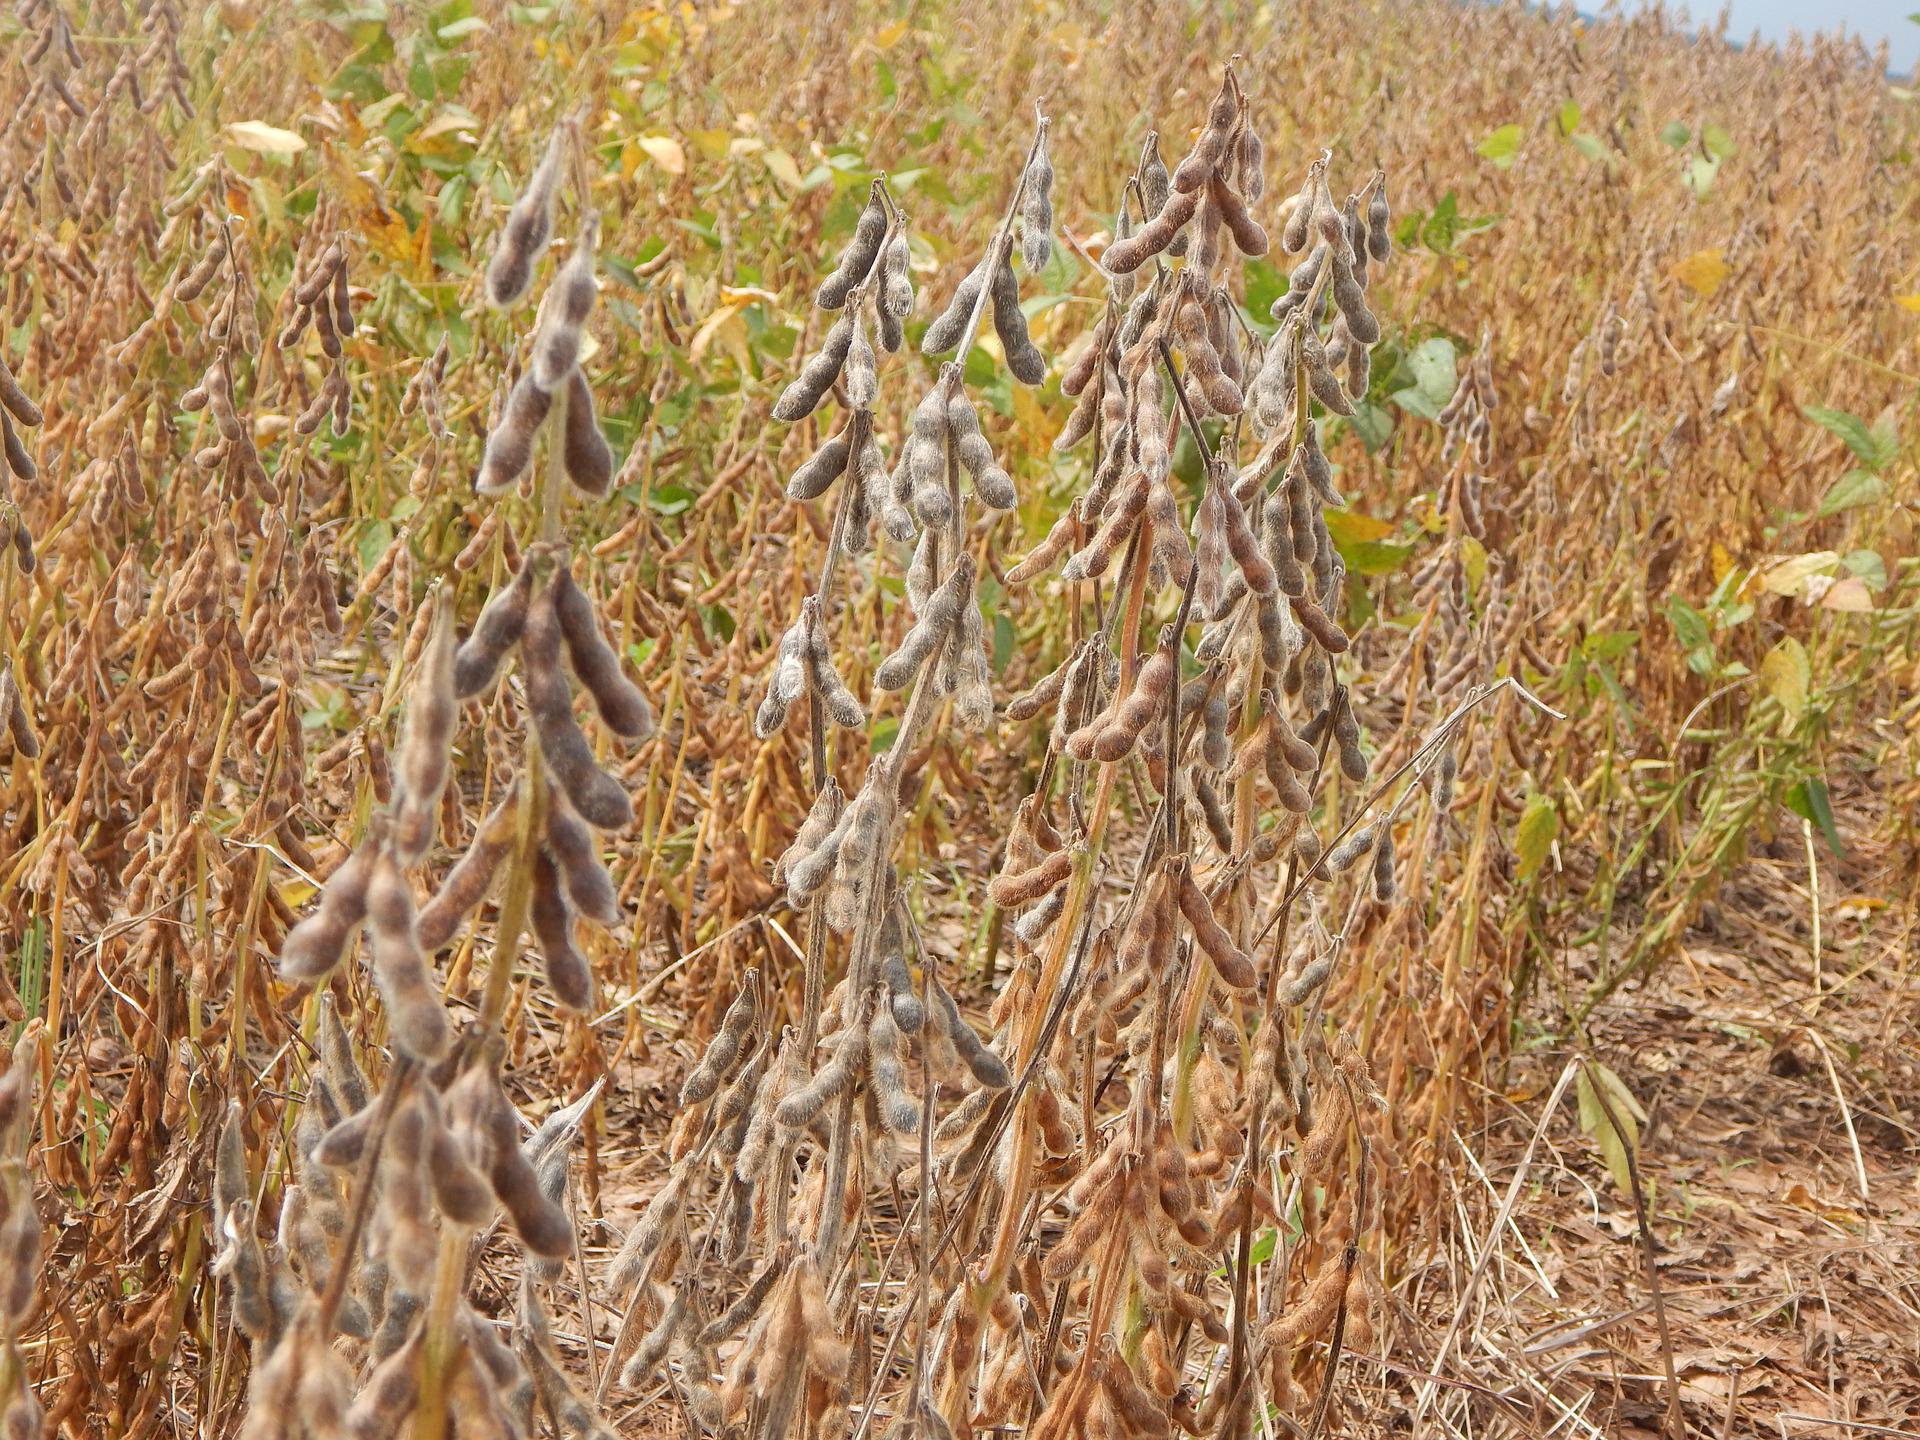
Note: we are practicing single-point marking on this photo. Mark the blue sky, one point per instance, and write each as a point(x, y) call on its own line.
point(1873, 19)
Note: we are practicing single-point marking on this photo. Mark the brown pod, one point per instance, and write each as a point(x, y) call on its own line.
point(551, 919)
point(541, 1223)
point(416, 1017)
point(587, 457)
point(1010, 889)
point(509, 447)
point(426, 747)
point(571, 843)
point(1317, 623)
point(601, 800)
point(524, 237)
point(802, 397)
point(15, 449)
point(318, 943)
point(724, 1050)
point(944, 333)
point(1246, 231)
point(460, 1191)
point(496, 632)
point(620, 703)
point(13, 709)
point(556, 350)
point(857, 259)
point(14, 400)
point(1229, 962)
point(467, 883)
point(1123, 257)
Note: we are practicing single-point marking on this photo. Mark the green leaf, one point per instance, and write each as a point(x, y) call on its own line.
point(1434, 365)
point(1372, 423)
point(1416, 401)
point(1501, 146)
point(1533, 838)
point(1808, 799)
point(1876, 445)
point(1868, 565)
point(1688, 624)
point(1719, 144)
point(373, 543)
point(1701, 173)
point(1568, 117)
point(1674, 134)
point(1855, 488)
point(1589, 145)
point(1615, 1148)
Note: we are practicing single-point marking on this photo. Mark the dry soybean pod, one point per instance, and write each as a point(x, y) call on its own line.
point(496, 632)
point(620, 703)
point(724, 1050)
point(584, 452)
point(550, 916)
point(416, 1017)
point(857, 259)
point(601, 800)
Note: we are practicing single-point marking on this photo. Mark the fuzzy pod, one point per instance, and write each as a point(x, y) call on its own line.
point(1346, 735)
point(799, 1106)
point(988, 1068)
point(416, 1017)
point(741, 1312)
point(524, 237)
point(896, 277)
point(843, 707)
point(824, 466)
point(620, 703)
point(829, 806)
point(1379, 222)
point(1248, 235)
point(426, 746)
point(860, 374)
point(857, 259)
point(1012, 888)
point(724, 1050)
point(1250, 163)
point(886, 1072)
point(803, 396)
point(13, 712)
point(571, 844)
point(541, 1224)
point(1321, 381)
point(1351, 298)
point(509, 448)
point(556, 349)
point(1036, 211)
point(318, 943)
point(18, 459)
point(459, 1190)
point(944, 333)
point(1383, 868)
point(991, 484)
point(1123, 257)
point(584, 451)
point(14, 400)
point(1024, 359)
point(550, 917)
point(1317, 623)
point(467, 883)
point(906, 1007)
point(806, 871)
point(601, 800)
point(935, 624)
point(1229, 961)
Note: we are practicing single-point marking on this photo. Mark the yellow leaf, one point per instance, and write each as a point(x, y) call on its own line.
point(1722, 561)
point(782, 167)
point(711, 143)
point(1907, 302)
point(710, 331)
point(891, 36)
point(1702, 271)
point(266, 139)
point(665, 152)
point(1789, 575)
point(1788, 675)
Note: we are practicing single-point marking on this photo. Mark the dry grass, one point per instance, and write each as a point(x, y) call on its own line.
point(1668, 276)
